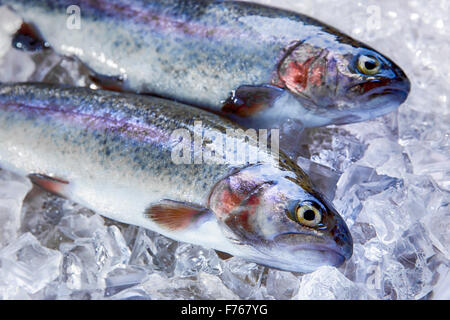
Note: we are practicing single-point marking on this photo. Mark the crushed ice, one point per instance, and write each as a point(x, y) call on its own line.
point(389, 178)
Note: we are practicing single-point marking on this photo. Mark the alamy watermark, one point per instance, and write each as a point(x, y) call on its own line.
point(234, 146)
point(374, 279)
point(73, 21)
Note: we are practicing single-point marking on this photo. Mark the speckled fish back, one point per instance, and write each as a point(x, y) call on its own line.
point(124, 139)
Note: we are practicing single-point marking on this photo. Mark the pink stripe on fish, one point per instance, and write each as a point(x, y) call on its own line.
point(106, 121)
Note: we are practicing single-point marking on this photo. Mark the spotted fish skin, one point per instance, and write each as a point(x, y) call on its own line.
point(259, 65)
point(113, 153)
point(109, 129)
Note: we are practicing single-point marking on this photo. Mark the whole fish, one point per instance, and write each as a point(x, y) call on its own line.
point(114, 153)
point(261, 66)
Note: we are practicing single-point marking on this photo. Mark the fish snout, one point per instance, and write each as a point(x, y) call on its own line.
point(401, 83)
point(342, 240)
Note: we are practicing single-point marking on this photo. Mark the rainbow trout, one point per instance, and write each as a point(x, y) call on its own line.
point(115, 154)
point(261, 66)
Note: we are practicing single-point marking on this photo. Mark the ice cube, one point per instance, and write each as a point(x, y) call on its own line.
point(191, 259)
point(16, 66)
point(401, 269)
point(80, 271)
point(27, 264)
point(143, 249)
point(42, 212)
point(75, 226)
point(131, 294)
point(213, 288)
point(365, 268)
point(110, 249)
point(153, 250)
point(123, 278)
point(386, 156)
point(386, 212)
point(13, 189)
point(442, 288)
point(385, 127)
point(12, 292)
point(72, 272)
point(242, 277)
point(355, 185)
point(10, 23)
point(413, 251)
point(323, 177)
point(430, 161)
point(332, 147)
point(89, 260)
point(281, 285)
point(327, 283)
point(203, 286)
point(438, 226)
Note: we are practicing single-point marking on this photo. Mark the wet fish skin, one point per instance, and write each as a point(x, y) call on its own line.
point(113, 154)
point(260, 65)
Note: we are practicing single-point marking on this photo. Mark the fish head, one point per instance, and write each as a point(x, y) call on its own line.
point(279, 215)
point(339, 80)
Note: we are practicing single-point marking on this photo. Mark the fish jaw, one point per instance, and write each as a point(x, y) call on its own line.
point(306, 260)
point(306, 257)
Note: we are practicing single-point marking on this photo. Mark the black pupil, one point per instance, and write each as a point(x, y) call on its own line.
point(309, 215)
point(370, 65)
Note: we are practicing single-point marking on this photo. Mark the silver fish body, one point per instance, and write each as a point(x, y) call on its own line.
point(113, 153)
point(260, 65)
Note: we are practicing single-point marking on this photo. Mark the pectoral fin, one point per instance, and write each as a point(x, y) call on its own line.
point(54, 185)
point(174, 215)
point(249, 100)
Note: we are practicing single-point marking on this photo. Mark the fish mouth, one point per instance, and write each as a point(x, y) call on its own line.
point(377, 101)
point(399, 86)
point(319, 251)
point(401, 93)
point(400, 89)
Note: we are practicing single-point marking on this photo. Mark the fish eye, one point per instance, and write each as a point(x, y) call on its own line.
point(308, 214)
point(368, 65)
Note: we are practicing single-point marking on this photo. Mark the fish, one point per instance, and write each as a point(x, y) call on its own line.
point(260, 66)
point(116, 154)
